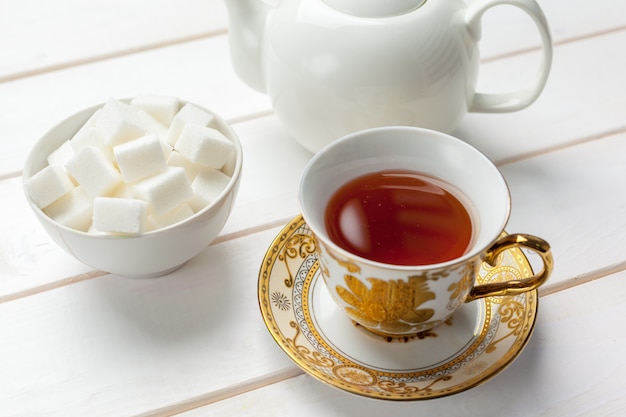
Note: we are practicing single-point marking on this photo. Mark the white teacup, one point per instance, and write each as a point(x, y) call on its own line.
point(401, 300)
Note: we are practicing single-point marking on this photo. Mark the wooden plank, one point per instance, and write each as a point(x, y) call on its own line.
point(197, 71)
point(508, 30)
point(36, 37)
point(581, 100)
point(40, 36)
point(572, 366)
point(113, 346)
point(28, 257)
point(571, 198)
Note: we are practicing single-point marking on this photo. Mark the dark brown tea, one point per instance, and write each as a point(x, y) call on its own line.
point(399, 217)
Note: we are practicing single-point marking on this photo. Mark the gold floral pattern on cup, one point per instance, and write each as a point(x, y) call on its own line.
point(387, 305)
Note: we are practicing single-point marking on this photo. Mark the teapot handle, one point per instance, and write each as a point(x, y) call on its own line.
point(514, 100)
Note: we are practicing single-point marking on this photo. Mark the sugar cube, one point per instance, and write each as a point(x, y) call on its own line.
point(61, 155)
point(162, 108)
point(204, 145)
point(165, 191)
point(154, 126)
point(175, 159)
point(90, 136)
point(119, 215)
point(78, 139)
point(230, 165)
point(73, 210)
point(48, 185)
point(140, 158)
point(120, 173)
point(93, 171)
point(189, 114)
point(123, 190)
point(175, 215)
point(118, 122)
point(207, 186)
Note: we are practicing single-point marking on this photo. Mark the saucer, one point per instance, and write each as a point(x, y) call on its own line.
point(480, 340)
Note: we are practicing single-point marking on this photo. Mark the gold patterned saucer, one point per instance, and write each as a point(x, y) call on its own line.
point(478, 342)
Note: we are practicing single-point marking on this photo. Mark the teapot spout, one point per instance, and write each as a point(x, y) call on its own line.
point(246, 30)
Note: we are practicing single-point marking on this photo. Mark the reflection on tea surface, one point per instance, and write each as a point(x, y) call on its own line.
point(399, 217)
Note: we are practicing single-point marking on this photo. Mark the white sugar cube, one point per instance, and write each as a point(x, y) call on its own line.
point(93, 171)
point(189, 114)
point(78, 139)
point(48, 185)
point(162, 108)
point(140, 158)
point(207, 186)
point(166, 149)
point(118, 122)
point(119, 215)
point(231, 163)
point(123, 190)
point(175, 159)
point(175, 215)
point(61, 155)
point(87, 136)
point(153, 126)
point(165, 191)
point(90, 136)
point(73, 210)
point(204, 145)
point(119, 173)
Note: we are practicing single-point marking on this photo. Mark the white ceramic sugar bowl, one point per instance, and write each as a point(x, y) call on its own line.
point(332, 67)
point(149, 254)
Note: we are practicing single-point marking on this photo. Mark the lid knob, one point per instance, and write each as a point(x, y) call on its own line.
point(375, 8)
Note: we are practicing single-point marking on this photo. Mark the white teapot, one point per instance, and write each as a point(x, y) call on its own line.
point(332, 67)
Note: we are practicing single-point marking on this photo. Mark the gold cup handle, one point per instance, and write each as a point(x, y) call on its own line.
point(513, 287)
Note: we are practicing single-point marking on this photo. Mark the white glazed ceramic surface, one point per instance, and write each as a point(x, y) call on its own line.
point(374, 8)
point(332, 67)
point(150, 254)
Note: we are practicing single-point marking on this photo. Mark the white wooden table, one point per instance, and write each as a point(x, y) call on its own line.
point(79, 342)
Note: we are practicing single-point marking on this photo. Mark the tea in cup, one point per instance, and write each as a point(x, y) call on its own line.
point(403, 219)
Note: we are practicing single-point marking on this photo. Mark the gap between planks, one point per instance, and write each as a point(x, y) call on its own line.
point(96, 274)
point(231, 121)
point(224, 31)
point(560, 147)
point(545, 290)
point(225, 393)
point(559, 42)
point(111, 55)
point(506, 161)
point(283, 375)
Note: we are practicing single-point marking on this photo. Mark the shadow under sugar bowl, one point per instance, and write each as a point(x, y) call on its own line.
point(403, 219)
point(133, 187)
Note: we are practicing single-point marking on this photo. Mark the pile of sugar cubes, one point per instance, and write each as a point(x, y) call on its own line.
point(135, 167)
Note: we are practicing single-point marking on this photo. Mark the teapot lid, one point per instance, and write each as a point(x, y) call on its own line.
point(375, 8)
